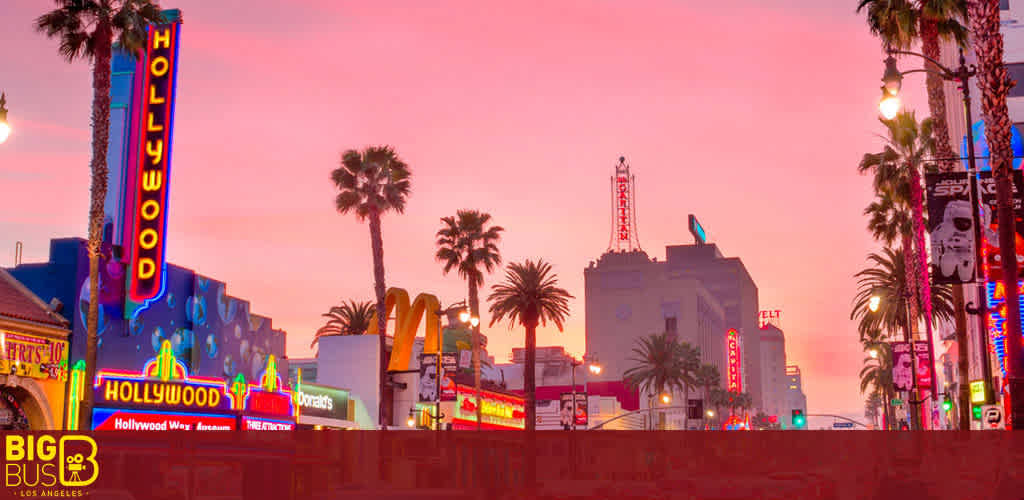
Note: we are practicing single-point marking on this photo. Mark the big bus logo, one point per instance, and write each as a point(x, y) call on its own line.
point(43, 461)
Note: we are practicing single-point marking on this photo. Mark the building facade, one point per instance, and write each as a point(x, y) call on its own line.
point(773, 371)
point(795, 398)
point(696, 294)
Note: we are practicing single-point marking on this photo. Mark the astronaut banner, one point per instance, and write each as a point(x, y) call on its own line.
point(902, 366)
point(990, 225)
point(428, 378)
point(951, 227)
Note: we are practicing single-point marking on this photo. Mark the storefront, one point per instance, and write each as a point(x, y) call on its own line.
point(164, 396)
point(33, 360)
point(323, 407)
point(500, 411)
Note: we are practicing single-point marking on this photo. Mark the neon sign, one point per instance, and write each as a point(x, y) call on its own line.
point(163, 384)
point(499, 411)
point(108, 419)
point(697, 230)
point(769, 317)
point(34, 357)
point(147, 269)
point(622, 188)
point(734, 375)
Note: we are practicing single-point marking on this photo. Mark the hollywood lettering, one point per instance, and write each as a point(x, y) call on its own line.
point(734, 377)
point(150, 217)
point(623, 196)
point(114, 391)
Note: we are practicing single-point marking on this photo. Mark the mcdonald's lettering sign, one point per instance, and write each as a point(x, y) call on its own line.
point(160, 68)
point(407, 320)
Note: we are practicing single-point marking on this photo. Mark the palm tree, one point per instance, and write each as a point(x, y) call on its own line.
point(897, 170)
point(876, 377)
point(690, 365)
point(370, 183)
point(87, 30)
point(661, 365)
point(902, 23)
point(529, 296)
point(352, 318)
point(467, 244)
point(886, 279)
point(872, 404)
point(706, 378)
point(994, 84)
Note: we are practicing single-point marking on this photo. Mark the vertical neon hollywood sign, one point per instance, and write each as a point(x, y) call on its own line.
point(735, 363)
point(147, 271)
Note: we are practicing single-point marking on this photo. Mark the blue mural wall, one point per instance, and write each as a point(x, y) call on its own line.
point(214, 334)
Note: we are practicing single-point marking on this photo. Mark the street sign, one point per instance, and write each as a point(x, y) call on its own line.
point(842, 425)
point(992, 416)
point(897, 402)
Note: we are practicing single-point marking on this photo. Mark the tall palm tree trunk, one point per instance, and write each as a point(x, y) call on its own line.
point(686, 407)
point(474, 308)
point(377, 243)
point(964, 407)
point(98, 195)
point(994, 84)
point(924, 283)
point(936, 95)
point(530, 374)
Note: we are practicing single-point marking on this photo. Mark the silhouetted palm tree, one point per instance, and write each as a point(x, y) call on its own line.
point(467, 244)
point(87, 30)
point(370, 183)
point(351, 318)
point(529, 296)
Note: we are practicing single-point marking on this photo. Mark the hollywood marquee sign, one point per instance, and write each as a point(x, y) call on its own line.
point(734, 365)
point(145, 280)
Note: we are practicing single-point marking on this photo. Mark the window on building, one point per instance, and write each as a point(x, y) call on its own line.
point(1016, 73)
point(1004, 4)
point(670, 324)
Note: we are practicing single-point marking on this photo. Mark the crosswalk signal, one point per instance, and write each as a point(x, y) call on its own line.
point(976, 412)
point(799, 421)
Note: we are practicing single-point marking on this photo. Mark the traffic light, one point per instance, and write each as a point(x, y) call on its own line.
point(799, 421)
point(976, 412)
point(947, 405)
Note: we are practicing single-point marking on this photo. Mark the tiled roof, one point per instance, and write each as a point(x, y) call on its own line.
point(18, 302)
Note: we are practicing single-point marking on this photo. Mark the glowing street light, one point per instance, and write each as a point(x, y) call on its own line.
point(711, 414)
point(892, 81)
point(411, 421)
point(665, 399)
point(874, 302)
point(5, 128)
point(873, 353)
point(595, 368)
point(464, 316)
point(474, 321)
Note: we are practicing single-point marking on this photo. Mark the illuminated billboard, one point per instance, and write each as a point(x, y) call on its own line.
point(158, 72)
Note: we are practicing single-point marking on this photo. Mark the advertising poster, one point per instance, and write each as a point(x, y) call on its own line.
point(566, 412)
point(449, 365)
point(951, 226)
point(990, 224)
point(902, 367)
point(924, 363)
point(428, 378)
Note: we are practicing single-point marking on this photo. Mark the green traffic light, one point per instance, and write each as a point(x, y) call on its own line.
point(976, 412)
point(947, 405)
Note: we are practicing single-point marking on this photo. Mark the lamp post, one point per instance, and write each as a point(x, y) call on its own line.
point(892, 80)
point(594, 368)
point(5, 128)
point(467, 319)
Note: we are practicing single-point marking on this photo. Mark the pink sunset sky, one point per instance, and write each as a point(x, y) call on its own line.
point(751, 116)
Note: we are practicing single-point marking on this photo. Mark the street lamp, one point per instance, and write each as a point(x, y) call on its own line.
point(5, 128)
point(594, 368)
point(665, 399)
point(411, 421)
point(874, 302)
point(892, 79)
point(873, 353)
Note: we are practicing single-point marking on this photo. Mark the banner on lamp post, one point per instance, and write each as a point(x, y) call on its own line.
point(428, 378)
point(990, 224)
point(902, 367)
point(924, 364)
point(951, 225)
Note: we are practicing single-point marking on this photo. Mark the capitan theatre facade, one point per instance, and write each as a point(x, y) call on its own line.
point(149, 308)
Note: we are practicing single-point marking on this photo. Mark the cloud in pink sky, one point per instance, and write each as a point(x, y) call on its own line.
point(752, 117)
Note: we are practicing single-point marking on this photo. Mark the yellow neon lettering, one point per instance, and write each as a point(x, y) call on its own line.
point(110, 391)
point(155, 150)
point(162, 39)
point(152, 180)
point(153, 127)
point(125, 394)
point(153, 98)
point(159, 66)
point(147, 268)
point(150, 209)
point(214, 398)
point(188, 396)
point(200, 397)
point(136, 397)
point(145, 394)
point(148, 239)
point(173, 394)
point(158, 393)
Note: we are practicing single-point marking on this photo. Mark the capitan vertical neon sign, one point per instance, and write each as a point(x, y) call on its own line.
point(146, 280)
point(734, 374)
